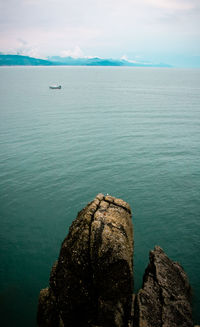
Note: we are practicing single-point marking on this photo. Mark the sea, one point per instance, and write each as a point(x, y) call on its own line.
point(133, 133)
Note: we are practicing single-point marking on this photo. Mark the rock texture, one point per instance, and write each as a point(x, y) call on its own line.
point(164, 300)
point(92, 282)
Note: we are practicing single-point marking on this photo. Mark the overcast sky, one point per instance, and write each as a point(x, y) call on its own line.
point(154, 30)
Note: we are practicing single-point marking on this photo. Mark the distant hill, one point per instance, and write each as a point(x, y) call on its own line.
point(18, 60)
point(85, 61)
point(100, 62)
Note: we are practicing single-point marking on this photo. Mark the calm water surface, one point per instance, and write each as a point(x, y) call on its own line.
point(132, 133)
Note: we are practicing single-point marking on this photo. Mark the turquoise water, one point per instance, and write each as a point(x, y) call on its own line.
point(132, 133)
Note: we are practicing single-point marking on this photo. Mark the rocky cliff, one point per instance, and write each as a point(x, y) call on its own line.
point(91, 284)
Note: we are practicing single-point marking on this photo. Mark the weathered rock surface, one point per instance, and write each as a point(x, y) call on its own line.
point(92, 282)
point(164, 300)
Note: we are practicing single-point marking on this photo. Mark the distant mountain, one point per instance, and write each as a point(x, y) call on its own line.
point(18, 60)
point(85, 61)
point(100, 62)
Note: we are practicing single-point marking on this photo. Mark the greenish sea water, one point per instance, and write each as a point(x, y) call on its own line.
point(132, 133)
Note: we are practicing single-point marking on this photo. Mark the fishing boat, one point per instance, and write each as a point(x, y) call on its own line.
point(55, 87)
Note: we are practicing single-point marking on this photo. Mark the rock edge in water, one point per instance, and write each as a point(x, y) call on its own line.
point(91, 284)
point(164, 299)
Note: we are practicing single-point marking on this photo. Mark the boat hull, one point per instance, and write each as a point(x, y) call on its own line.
point(55, 87)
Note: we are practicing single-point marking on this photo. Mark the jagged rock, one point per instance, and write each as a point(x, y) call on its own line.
point(164, 300)
point(92, 282)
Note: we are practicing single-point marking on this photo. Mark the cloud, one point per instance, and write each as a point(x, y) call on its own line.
point(22, 47)
point(30, 52)
point(124, 57)
point(76, 52)
point(23, 42)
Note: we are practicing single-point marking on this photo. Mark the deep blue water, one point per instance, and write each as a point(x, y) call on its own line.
point(132, 133)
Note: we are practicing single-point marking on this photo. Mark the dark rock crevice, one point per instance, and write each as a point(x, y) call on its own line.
point(94, 290)
point(151, 270)
point(118, 205)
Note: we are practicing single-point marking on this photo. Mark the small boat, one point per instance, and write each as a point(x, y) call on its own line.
point(55, 87)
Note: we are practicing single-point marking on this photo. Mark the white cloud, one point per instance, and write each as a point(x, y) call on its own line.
point(25, 49)
point(31, 52)
point(22, 47)
point(76, 52)
point(124, 57)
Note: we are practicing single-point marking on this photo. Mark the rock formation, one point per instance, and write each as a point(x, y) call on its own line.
point(91, 284)
point(164, 300)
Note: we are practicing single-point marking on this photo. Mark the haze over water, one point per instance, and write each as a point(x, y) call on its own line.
point(132, 133)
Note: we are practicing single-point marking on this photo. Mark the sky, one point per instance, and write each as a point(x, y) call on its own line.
point(166, 31)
